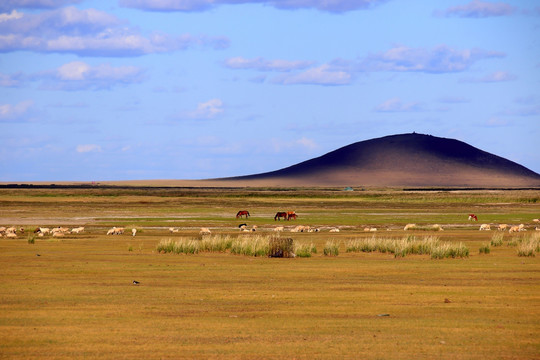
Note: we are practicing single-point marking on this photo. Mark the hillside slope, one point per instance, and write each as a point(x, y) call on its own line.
point(401, 160)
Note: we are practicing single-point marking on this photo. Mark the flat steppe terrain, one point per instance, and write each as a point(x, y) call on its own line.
point(73, 297)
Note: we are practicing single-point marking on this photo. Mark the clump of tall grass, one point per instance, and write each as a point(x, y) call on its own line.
point(304, 250)
point(402, 247)
point(182, 246)
point(216, 243)
point(497, 239)
point(529, 245)
point(31, 239)
point(251, 246)
point(484, 249)
point(331, 248)
point(450, 251)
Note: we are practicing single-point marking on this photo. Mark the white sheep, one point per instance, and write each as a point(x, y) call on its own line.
point(77, 230)
point(133, 232)
point(205, 231)
point(485, 227)
point(409, 227)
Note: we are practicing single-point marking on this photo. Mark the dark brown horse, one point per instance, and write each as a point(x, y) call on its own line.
point(242, 213)
point(280, 215)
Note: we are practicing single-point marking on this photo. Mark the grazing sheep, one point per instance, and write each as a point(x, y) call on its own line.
point(313, 230)
point(502, 227)
point(11, 235)
point(58, 234)
point(242, 227)
point(279, 228)
point(409, 227)
point(536, 220)
point(372, 229)
point(77, 230)
point(133, 232)
point(437, 227)
point(301, 228)
point(334, 230)
point(254, 228)
point(517, 228)
point(111, 231)
point(485, 227)
point(11, 230)
point(205, 231)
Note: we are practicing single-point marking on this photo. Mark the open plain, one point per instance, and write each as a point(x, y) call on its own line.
point(74, 296)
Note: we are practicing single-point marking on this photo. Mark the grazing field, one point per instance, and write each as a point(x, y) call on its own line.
point(74, 297)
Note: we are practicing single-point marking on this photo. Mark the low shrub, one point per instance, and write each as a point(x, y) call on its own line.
point(305, 250)
point(497, 239)
point(331, 248)
point(485, 249)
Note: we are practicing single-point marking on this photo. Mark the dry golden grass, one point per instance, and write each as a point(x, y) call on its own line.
point(77, 300)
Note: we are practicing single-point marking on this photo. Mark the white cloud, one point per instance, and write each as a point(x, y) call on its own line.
point(396, 105)
point(12, 16)
point(90, 32)
point(438, 60)
point(321, 75)
point(9, 112)
point(261, 64)
point(10, 80)
point(88, 148)
point(279, 145)
point(207, 110)
point(7, 5)
point(498, 76)
point(480, 9)
point(334, 6)
point(441, 59)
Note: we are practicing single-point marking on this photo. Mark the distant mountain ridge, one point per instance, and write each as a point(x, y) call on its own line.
point(402, 160)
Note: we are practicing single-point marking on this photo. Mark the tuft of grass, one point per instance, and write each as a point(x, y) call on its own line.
point(331, 248)
point(182, 246)
point(450, 251)
point(401, 247)
point(130, 248)
point(485, 249)
point(305, 250)
point(216, 243)
point(31, 239)
point(529, 245)
point(497, 239)
point(251, 246)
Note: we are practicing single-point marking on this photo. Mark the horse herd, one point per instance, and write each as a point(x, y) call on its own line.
point(285, 215)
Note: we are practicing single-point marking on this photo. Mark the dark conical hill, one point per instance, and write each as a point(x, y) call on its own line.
point(403, 160)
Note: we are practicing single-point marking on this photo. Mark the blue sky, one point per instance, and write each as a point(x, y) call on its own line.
point(191, 89)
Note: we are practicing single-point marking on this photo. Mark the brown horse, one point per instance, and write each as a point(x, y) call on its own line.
point(280, 215)
point(291, 215)
point(473, 217)
point(242, 213)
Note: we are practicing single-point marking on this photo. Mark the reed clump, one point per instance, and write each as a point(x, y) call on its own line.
point(529, 245)
point(497, 239)
point(484, 249)
point(401, 247)
point(305, 250)
point(331, 248)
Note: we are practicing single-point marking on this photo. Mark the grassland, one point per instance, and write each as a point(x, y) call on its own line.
point(77, 300)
